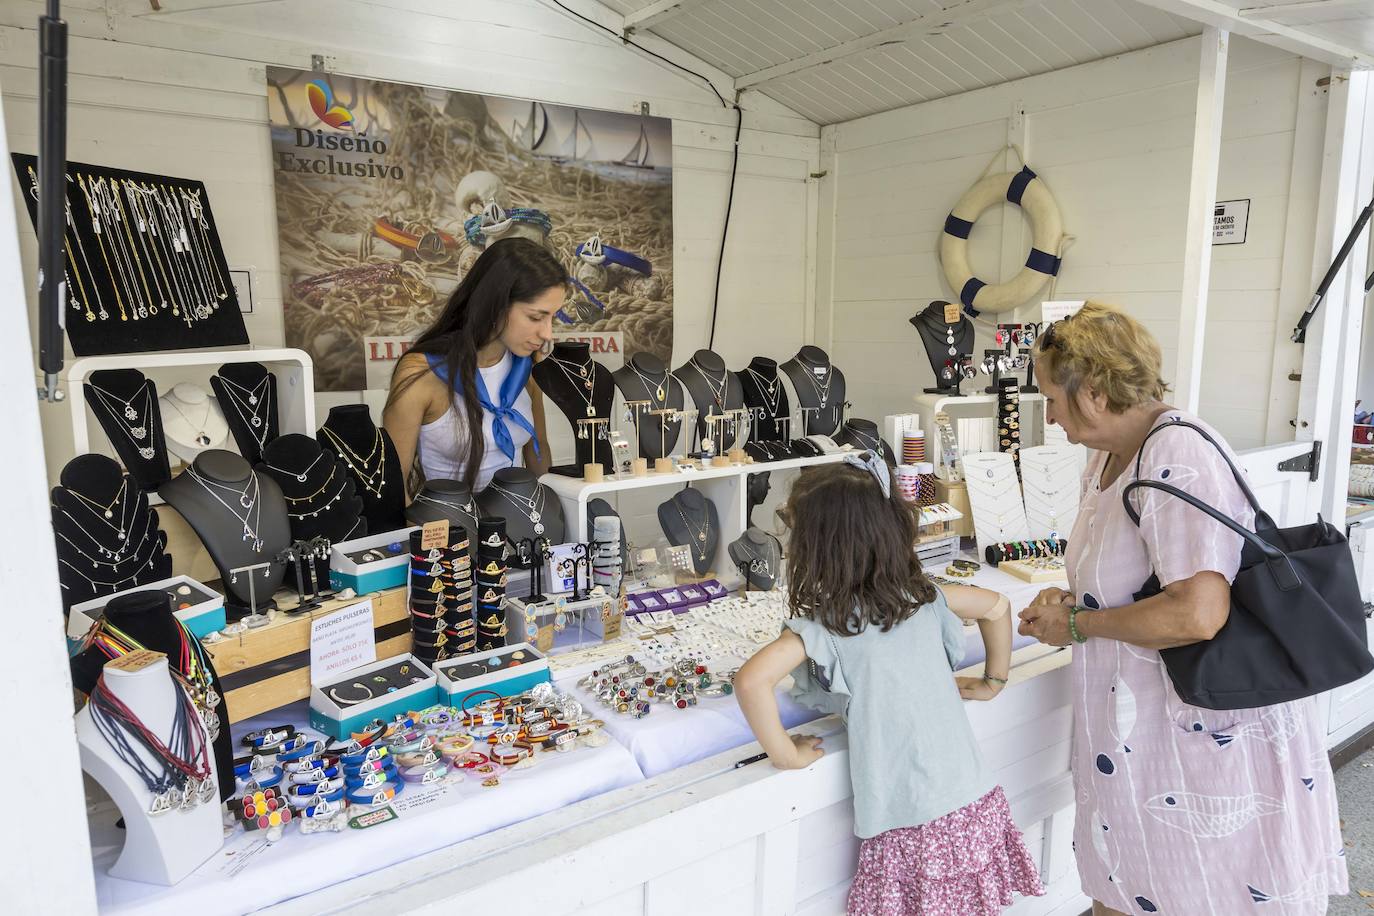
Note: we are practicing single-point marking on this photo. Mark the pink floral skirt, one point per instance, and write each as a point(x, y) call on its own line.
point(967, 863)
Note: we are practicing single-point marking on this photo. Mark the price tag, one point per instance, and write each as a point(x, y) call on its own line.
point(136, 660)
point(951, 313)
point(434, 534)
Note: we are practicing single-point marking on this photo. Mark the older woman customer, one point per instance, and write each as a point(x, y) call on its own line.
point(1179, 809)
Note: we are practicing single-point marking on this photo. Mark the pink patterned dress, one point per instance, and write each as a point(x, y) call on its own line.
point(1180, 809)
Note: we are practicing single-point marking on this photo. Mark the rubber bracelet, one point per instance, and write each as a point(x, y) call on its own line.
point(371, 797)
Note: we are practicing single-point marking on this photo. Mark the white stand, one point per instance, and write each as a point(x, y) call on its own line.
point(1050, 480)
point(182, 408)
point(995, 498)
point(166, 848)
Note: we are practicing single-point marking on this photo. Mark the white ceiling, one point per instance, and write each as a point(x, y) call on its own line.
point(833, 61)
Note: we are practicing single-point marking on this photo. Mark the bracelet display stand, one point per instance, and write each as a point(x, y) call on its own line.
point(1050, 483)
point(994, 494)
point(165, 848)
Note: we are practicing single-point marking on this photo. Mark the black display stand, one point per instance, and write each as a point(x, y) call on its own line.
point(714, 390)
point(447, 499)
point(319, 493)
point(690, 518)
point(759, 483)
point(146, 617)
point(241, 518)
point(818, 386)
point(645, 377)
point(757, 556)
point(582, 389)
point(247, 394)
point(946, 345)
point(864, 435)
point(107, 537)
point(766, 395)
point(125, 403)
point(127, 268)
point(509, 496)
point(371, 459)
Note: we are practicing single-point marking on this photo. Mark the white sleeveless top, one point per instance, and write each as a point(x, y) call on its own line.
point(443, 444)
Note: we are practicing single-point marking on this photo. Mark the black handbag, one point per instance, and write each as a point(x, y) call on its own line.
point(1296, 626)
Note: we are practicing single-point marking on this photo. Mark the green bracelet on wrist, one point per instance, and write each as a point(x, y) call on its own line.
point(1073, 625)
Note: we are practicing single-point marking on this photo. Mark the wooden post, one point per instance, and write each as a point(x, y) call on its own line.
point(1202, 198)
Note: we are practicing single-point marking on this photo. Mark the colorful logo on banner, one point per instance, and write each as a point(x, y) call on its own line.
point(322, 102)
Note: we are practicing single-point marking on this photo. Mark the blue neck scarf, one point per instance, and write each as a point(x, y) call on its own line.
point(501, 411)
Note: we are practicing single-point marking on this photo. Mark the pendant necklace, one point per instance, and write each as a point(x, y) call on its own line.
point(768, 390)
point(375, 480)
point(300, 478)
point(587, 379)
point(469, 510)
point(106, 512)
point(252, 508)
point(822, 387)
point(698, 534)
point(255, 408)
point(128, 418)
point(190, 665)
point(202, 438)
point(109, 587)
point(758, 563)
point(719, 389)
point(658, 389)
point(530, 507)
point(115, 560)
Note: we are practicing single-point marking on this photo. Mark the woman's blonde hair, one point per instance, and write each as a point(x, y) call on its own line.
point(1102, 349)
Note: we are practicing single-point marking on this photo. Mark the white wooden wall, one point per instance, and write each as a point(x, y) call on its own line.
point(1113, 141)
point(184, 93)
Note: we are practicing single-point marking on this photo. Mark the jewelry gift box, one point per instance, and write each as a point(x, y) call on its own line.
point(339, 720)
point(505, 672)
point(346, 570)
point(203, 613)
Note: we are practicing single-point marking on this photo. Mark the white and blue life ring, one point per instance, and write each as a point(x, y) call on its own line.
point(1026, 190)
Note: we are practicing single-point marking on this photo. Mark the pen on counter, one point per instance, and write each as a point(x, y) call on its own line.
point(748, 760)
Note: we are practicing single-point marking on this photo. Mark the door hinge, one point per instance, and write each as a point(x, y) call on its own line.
point(1309, 462)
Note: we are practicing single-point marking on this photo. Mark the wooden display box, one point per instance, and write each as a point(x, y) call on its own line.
point(269, 667)
point(956, 494)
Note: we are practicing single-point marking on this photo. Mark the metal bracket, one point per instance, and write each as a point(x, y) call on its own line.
point(1309, 462)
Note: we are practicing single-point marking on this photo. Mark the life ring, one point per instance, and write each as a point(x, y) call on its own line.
point(1024, 189)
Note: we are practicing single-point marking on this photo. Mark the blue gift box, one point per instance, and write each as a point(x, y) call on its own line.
point(364, 578)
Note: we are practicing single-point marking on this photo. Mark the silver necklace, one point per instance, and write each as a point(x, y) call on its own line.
point(719, 389)
point(768, 389)
point(875, 444)
point(758, 564)
point(300, 478)
point(250, 504)
point(588, 380)
point(251, 393)
point(106, 512)
point(470, 509)
point(658, 389)
point(375, 482)
point(112, 586)
point(699, 535)
point(133, 429)
point(117, 559)
point(530, 507)
point(823, 387)
point(254, 415)
point(202, 438)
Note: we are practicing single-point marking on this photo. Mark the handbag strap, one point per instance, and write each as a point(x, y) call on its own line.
point(1263, 521)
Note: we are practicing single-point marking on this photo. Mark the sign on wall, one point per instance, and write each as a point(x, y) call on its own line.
point(1230, 219)
point(374, 185)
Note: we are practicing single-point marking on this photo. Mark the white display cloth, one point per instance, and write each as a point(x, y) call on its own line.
point(247, 874)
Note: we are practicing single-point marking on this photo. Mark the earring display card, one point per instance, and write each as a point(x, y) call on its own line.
point(1049, 480)
point(994, 494)
point(145, 267)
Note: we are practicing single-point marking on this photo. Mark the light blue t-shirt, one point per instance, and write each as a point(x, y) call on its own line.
point(912, 755)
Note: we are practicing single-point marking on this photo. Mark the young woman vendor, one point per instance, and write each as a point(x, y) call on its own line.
point(462, 402)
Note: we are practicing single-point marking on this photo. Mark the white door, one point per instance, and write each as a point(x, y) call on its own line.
point(1283, 481)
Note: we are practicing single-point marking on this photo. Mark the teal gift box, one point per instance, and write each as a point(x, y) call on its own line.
point(337, 720)
point(204, 616)
point(363, 578)
point(505, 671)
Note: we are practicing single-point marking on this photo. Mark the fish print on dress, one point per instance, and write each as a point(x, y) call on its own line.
point(1210, 815)
point(1100, 847)
point(1277, 725)
point(1312, 891)
point(1123, 709)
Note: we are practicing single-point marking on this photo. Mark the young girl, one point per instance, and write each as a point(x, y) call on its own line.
point(875, 641)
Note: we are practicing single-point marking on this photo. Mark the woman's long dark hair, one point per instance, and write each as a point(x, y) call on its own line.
point(851, 552)
point(508, 271)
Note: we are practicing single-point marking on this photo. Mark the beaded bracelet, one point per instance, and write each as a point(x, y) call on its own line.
point(1073, 626)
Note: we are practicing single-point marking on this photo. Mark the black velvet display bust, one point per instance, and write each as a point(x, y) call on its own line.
point(451, 500)
point(714, 390)
point(240, 517)
point(757, 556)
point(367, 451)
point(770, 410)
point(945, 344)
point(818, 385)
point(126, 405)
point(321, 499)
point(582, 389)
point(107, 536)
point(509, 497)
point(863, 435)
point(690, 518)
point(645, 377)
point(146, 617)
point(247, 394)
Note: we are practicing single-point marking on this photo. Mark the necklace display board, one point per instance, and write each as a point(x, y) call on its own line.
point(107, 536)
point(192, 421)
point(144, 262)
point(530, 511)
point(447, 499)
point(690, 519)
point(994, 496)
point(819, 386)
point(145, 620)
point(241, 518)
point(134, 736)
point(582, 389)
point(1050, 482)
point(371, 459)
point(766, 397)
point(248, 395)
point(758, 556)
point(864, 435)
point(714, 390)
point(125, 403)
point(947, 335)
point(645, 377)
